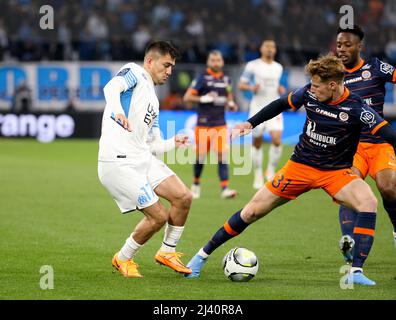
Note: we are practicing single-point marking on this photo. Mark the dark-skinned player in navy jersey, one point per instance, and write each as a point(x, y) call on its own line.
point(212, 91)
point(374, 157)
point(321, 159)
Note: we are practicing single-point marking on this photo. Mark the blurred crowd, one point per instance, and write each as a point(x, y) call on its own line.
point(120, 29)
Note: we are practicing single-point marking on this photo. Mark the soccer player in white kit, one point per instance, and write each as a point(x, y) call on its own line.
point(127, 167)
point(265, 73)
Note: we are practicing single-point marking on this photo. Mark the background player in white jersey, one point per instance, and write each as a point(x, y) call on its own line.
point(127, 167)
point(262, 77)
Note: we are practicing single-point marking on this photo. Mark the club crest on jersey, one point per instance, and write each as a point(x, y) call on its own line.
point(343, 116)
point(367, 117)
point(386, 68)
point(366, 74)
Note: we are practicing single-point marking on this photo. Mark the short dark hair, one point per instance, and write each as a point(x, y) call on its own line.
point(356, 30)
point(163, 48)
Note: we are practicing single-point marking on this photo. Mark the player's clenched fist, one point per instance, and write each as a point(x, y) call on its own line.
point(123, 121)
point(181, 141)
point(241, 129)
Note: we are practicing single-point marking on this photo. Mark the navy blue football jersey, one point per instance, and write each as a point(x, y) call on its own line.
point(332, 130)
point(368, 80)
point(211, 114)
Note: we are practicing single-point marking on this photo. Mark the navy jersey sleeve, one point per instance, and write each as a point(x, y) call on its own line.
point(386, 71)
point(296, 98)
point(197, 84)
point(370, 119)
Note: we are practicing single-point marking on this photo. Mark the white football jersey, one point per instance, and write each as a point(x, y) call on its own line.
point(267, 76)
point(141, 106)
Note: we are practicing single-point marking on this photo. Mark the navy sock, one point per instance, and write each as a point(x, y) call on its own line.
point(234, 226)
point(363, 234)
point(390, 207)
point(198, 167)
point(347, 220)
point(223, 174)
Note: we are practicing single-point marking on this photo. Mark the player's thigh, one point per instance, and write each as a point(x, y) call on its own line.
point(172, 189)
point(386, 183)
point(292, 180)
point(263, 202)
point(357, 195)
point(127, 184)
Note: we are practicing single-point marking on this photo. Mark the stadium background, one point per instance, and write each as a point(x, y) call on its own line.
point(51, 88)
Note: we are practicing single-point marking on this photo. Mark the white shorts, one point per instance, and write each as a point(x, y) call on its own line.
point(274, 124)
point(133, 187)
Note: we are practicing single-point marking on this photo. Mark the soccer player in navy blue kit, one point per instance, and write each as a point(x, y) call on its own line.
point(321, 159)
point(374, 156)
point(212, 91)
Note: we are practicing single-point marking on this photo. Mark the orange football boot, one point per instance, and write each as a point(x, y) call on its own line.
point(128, 268)
point(172, 260)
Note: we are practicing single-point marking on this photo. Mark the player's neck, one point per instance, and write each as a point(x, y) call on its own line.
point(267, 60)
point(339, 94)
point(354, 64)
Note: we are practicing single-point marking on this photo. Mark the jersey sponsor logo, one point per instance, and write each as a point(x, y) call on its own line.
point(309, 104)
point(123, 72)
point(325, 113)
point(317, 138)
point(343, 116)
point(386, 68)
point(367, 117)
point(368, 101)
point(353, 80)
point(366, 74)
point(150, 115)
point(366, 66)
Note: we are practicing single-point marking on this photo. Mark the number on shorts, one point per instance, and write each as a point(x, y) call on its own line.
point(277, 181)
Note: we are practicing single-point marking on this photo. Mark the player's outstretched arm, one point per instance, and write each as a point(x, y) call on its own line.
point(268, 112)
point(159, 146)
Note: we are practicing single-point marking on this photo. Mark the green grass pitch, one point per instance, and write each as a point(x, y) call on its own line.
point(54, 211)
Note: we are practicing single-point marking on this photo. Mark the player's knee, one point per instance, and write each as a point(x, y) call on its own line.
point(387, 188)
point(257, 143)
point(277, 141)
point(183, 199)
point(250, 212)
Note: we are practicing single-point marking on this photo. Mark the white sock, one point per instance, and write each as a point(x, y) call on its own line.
point(274, 155)
point(203, 254)
point(257, 158)
point(171, 238)
point(129, 250)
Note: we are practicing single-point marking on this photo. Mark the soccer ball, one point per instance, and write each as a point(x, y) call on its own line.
point(240, 265)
